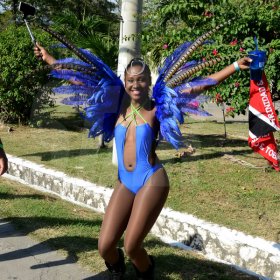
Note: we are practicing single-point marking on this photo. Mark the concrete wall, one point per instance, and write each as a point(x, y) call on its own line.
point(254, 255)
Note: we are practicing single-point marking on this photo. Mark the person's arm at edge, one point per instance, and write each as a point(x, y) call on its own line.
point(3, 160)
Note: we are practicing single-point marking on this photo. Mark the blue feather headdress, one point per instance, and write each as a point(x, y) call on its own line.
point(176, 89)
point(93, 85)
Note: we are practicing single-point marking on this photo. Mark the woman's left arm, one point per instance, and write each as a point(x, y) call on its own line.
point(241, 64)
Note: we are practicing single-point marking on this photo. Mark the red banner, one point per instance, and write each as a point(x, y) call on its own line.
point(263, 120)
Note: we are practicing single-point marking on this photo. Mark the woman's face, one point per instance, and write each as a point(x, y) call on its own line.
point(137, 85)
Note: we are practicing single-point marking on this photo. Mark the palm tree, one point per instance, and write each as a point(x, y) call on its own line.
point(91, 32)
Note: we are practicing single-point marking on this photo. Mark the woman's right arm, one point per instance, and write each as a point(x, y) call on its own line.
point(41, 53)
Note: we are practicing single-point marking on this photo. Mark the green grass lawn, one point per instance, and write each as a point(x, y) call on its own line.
point(74, 231)
point(223, 181)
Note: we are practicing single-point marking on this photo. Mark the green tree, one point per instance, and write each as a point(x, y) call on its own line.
point(22, 94)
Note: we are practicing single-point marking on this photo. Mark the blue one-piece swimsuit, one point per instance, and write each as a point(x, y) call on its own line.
point(134, 180)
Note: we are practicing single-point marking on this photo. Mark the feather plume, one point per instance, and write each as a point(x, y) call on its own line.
point(169, 61)
point(185, 74)
point(77, 100)
point(168, 113)
point(179, 61)
point(74, 89)
point(68, 44)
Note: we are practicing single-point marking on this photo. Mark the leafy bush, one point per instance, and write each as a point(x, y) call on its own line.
point(22, 95)
point(167, 24)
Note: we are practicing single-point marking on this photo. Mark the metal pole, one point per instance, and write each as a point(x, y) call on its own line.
point(130, 44)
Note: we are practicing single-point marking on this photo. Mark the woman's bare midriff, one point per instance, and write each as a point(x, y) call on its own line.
point(129, 156)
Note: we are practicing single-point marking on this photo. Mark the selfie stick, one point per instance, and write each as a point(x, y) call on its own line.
point(27, 10)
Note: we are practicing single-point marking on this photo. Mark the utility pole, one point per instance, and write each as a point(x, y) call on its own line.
point(130, 43)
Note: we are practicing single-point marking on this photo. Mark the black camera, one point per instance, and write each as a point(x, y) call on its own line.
point(26, 9)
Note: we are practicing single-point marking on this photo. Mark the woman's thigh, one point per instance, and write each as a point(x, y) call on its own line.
point(147, 206)
point(116, 215)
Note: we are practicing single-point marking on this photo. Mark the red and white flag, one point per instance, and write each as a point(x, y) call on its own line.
point(263, 121)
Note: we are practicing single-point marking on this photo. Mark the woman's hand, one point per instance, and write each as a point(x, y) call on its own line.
point(244, 63)
point(41, 53)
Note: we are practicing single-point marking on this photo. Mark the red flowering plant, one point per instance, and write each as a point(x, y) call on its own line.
point(230, 111)
point(218, 99)
point(207, 13)
point(234, 42)
point(215, 52)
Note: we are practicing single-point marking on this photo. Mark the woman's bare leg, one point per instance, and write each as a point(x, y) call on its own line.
point(115, 222)
point(147, 206)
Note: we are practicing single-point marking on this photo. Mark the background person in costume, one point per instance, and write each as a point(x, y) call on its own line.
point(136, 120)
point(3, 160)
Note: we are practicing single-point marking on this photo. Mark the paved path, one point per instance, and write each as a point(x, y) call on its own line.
point(22, 258)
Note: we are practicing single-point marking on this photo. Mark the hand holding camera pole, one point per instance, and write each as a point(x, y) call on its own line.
point(28, 10)
point(42, 54)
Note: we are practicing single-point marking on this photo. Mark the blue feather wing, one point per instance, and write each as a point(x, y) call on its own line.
point(173, 103)
point(100, 91)
point(168, 113)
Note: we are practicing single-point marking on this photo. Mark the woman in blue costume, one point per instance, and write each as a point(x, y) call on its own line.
point(143, 185)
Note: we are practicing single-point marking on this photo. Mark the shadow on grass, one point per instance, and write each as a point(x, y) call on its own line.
point(47, 156)
point(192, 268)
point(29, 224)
point(208, 156)
point(214, 140)
point(66, 121)
point(28, 196)
point(207, 141)
point(187, 266)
